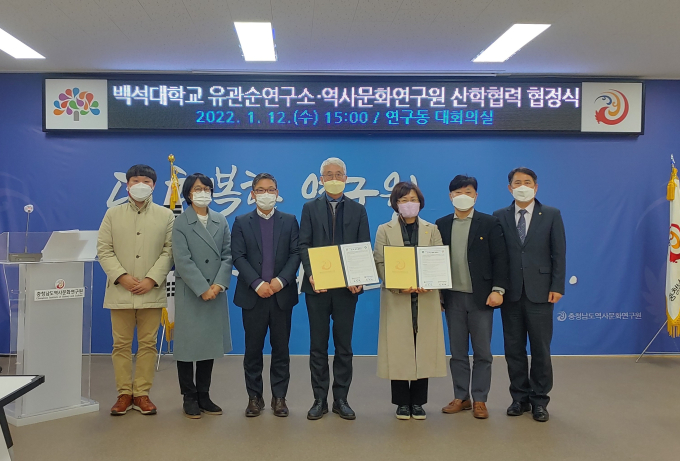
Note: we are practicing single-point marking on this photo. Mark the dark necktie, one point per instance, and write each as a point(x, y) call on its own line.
point(522, 226)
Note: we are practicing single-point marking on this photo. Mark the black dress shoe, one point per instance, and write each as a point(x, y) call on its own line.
point(190, 406)
point(279, 406)
point(403, 412)
point(541, 413)
point(206, 405)
point(342, 408)
point(518, 408)
point(417, 412)
point(319, 408)
point(255, 406)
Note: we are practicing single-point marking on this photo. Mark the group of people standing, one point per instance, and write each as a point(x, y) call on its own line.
point(513, 260)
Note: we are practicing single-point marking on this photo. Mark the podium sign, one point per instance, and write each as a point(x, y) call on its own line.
point(50, 320)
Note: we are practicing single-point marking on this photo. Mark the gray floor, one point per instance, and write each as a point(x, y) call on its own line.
point(603, 409)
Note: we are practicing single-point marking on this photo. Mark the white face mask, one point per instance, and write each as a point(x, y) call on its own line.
point(265, 201)
point(201, 199)
point(463, 202)
point(523, 193)
point(140, 191)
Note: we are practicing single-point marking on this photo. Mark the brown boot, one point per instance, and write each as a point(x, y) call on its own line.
point(123, 404)
point(279, 406)
point(143, 405)
point(255, 406)
point(479, 411)
point(457, 406)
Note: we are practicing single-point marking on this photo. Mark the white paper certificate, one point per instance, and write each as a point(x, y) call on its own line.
point(359, 264)
point(434, 267)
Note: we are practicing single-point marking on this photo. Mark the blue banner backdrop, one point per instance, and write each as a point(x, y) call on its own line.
point(611, 191)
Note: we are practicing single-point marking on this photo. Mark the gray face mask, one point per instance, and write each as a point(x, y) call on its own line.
point(265, 201)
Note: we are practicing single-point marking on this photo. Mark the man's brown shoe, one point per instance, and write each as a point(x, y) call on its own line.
point(279, 406)
point(479, 411)
point(255, 406)
point(143, 405)
point(123, 404)
point(457, 406)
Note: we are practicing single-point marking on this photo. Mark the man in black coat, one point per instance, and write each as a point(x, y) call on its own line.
point(331, 219)
point(479, 270)
point(534, 235)
point(264, 246)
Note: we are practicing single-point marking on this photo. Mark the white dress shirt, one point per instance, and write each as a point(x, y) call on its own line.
point(265, 216)
point(527, 216)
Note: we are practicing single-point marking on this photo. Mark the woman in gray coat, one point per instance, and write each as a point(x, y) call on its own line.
point(202, 254)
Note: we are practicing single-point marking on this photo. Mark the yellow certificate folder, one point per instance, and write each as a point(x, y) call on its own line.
point(327, 267)
point(400, 267)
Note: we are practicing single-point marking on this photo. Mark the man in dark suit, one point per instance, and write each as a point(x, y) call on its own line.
point(331, 219)
point(264, 245)
point(479, 269)
point(534, 235)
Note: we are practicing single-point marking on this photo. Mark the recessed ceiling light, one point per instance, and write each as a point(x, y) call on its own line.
point(510, 42)
point(16, 48)
point(257, 40)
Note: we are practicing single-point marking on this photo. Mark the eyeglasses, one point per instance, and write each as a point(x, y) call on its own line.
point(271, 190)
point(201, 189)
point(408, 199)
point(331, 176)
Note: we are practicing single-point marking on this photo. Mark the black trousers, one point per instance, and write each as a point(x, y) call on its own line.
point(185, 372)
point(266, 315)
point(521, 319)
point(409, 392)
point(339, 305)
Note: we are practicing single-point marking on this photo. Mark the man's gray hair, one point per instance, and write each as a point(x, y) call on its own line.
point(333, 161)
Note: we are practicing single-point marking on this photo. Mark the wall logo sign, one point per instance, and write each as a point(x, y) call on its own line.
point(59, 292)
point(76, 104)
point(612, 107)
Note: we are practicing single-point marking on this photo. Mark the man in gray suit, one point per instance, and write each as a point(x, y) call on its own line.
point(536, 242)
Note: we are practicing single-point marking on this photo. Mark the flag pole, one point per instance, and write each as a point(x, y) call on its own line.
point(650, 343)
point(670, 196)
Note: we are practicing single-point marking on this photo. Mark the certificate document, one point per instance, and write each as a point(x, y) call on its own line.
point(326, 268)
point(434, 267)
point(359, 264)
point(400, 267)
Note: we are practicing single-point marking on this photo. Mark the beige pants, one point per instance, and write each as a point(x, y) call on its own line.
point(123, 322)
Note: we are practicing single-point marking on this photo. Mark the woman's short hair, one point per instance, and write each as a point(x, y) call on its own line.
point(189, 184)
point(404, 188)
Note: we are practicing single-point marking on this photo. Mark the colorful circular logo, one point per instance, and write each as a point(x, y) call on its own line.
point(674, 243)
point(615, 107)
point(59, 284)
